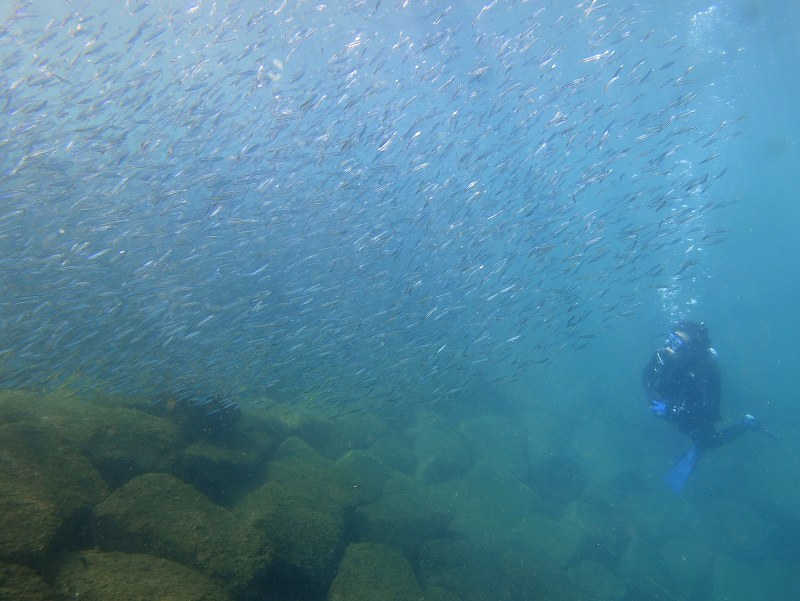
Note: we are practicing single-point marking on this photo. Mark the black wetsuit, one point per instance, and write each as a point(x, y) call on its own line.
point(688, 383)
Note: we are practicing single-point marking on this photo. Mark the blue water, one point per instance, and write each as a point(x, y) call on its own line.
point(267, 201)
point(375, 207)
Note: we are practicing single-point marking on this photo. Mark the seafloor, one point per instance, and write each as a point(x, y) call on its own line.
point(124, 501)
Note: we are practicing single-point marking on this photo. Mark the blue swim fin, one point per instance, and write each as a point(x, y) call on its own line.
point(679, 473)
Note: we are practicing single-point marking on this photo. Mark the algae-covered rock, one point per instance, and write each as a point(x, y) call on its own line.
point(733, 580)
point(651, 506)
point(265, 417)
point(738, 581)
point(559, 540)
point(501, 440)
point(19, 406)
point(45, 487)
point(199, 416)
point(604, 528)
point(220, 471)
point(120, 442)
point(301, 510)
point(310, 476)
point(404, 517)
point(334, 437)
point(306, 539)
point(20, 583)
point(392, 449)
point(364, 474)
point(97, 576)
point(486, 503)
point(442, 454)
point(160, 515)
point(687, 563)
point(597, 583)
point(123, 443)
point(467, 570)
point(437, 593)
point(556, 479)
point(372, 571)
point(475, 572)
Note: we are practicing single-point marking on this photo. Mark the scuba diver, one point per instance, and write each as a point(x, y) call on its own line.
point(682, 383)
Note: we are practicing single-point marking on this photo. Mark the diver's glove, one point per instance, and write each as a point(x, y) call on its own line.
point(750, 422)
point(658, 408)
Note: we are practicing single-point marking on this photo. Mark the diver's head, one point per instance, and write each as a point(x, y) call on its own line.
point(688, 337)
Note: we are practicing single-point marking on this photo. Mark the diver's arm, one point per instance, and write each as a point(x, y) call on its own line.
point(652, 380)
point(712, 390)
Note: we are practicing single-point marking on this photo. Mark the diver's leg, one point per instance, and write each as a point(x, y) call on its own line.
point(731, 432)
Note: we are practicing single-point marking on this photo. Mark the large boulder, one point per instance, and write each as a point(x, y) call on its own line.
point(46, 488)
point(556, 479)
point(329, 436)
point(309, 475)
point(392, 449)
point(687, 562)
point(199, 416)
point(222, 470)
point(98, 576)
point(163, 516)
point(120, 442)
point(371, 571)
point(500, 440)
point(301, 510)
point(560, 541)
point(734, 580)
point(486, 503)
point(597, 583)
point(475, 572)
point(442, 453)
point(438, 593)
point(20, 583)
point(307, 539)
point(334, 437)
point(406, 515)
point(123, 443)
point(363, 474)
point(604, 529)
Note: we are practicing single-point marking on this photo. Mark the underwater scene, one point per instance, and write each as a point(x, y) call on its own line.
point(401, 300)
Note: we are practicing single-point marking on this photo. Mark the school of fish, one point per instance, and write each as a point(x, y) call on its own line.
point(368, 204)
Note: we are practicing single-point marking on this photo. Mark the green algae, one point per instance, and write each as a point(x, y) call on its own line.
point(99, 576)
point(20, 583)
point(163, 516)
point(406, 515)
point(371, 571)
point(223, 471)
point(363, 474)
point(44, 486)
point(120, 442)
point(302, 508)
